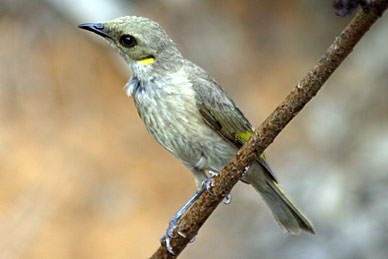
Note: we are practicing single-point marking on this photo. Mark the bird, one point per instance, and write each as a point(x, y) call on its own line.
point(190, 114)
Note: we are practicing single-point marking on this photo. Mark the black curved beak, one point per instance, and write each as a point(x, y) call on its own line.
point(97, 28)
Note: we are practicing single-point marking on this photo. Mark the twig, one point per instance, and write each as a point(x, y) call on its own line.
point(272, 126)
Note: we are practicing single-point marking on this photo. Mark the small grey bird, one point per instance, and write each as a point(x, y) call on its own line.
point(188, 113)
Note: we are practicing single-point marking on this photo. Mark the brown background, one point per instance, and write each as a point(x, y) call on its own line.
point(81, 178)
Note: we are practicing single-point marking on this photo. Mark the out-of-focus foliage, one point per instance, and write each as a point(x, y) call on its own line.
point(81, 178)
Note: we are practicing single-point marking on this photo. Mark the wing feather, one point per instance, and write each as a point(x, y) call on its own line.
point(221, 114)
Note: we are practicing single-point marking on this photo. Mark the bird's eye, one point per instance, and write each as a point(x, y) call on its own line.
point(127, 41)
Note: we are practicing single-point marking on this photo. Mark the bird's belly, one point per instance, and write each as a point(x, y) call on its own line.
point(178, 126)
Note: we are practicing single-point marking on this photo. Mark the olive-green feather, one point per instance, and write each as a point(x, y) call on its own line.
point(223, 116)
point(243, 137)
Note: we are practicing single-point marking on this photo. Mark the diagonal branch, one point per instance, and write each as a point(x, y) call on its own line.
point(264, 135)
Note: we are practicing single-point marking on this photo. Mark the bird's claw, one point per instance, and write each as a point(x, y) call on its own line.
point(168, 246)
point(167, 237)
point(172, 225)
point(212, 173)
point(208, 184)
point(227, 199)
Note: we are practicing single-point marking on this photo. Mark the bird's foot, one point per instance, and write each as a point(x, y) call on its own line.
point(227, 199)
point(167, 237)
point(212, 173)
point(208, 184)
point(172, 225)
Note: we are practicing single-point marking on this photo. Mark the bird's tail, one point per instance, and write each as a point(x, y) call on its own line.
point(289, 217)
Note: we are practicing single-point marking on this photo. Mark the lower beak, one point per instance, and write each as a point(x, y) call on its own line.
point(97, 28)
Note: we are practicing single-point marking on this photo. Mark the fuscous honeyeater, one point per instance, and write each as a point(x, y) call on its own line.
point(188, 113)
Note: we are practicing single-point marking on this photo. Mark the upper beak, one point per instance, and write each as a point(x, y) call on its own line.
point(96, 28)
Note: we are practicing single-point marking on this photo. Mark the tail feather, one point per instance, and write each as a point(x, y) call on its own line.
point(289, 217)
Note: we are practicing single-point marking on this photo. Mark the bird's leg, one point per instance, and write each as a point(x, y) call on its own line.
point(203, 183)
point(174, 221)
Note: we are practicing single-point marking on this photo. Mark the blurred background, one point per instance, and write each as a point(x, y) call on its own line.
point(81, 178)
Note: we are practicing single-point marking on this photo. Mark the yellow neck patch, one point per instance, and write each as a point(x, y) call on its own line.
point(146, 61)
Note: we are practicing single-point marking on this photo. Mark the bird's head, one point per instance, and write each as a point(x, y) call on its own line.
point(140, 41)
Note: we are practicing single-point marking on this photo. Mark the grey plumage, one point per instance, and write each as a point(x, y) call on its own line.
point(189, 114)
